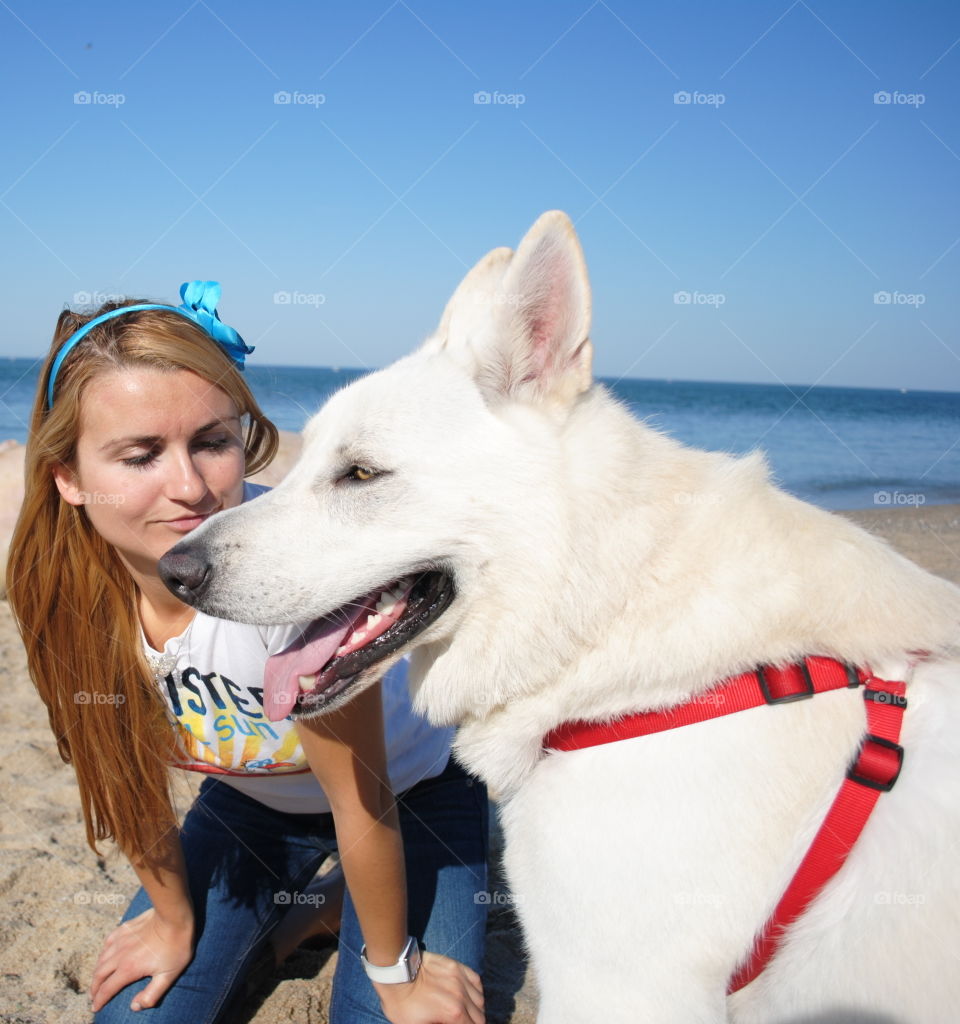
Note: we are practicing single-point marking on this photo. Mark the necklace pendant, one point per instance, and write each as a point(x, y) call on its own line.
point(163, 666)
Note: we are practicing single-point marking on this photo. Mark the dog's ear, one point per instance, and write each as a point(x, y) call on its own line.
point(467, 314)
point(541, 348)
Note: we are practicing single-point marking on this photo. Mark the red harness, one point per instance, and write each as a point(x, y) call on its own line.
point(874, 769)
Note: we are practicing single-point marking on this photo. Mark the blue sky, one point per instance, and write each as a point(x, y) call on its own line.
point(750, 234)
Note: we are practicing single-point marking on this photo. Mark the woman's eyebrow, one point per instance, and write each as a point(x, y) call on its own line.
point(217, 423)
point(147, 440)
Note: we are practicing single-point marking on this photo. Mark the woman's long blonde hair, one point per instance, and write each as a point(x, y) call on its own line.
point(76, 604)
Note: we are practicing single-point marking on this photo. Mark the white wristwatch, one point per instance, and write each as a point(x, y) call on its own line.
point(404, 970)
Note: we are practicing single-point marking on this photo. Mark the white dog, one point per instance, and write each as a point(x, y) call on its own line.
point(548, 559)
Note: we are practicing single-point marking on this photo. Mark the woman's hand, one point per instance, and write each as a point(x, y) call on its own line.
point(146, 945)
point(444, 992)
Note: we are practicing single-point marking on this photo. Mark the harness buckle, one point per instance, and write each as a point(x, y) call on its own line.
point(853, 678)
point(787, 698)
point(875, 775)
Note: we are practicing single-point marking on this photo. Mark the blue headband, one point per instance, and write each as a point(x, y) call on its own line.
point(200, 300)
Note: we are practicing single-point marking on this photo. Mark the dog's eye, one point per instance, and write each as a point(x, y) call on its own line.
point(360, 473)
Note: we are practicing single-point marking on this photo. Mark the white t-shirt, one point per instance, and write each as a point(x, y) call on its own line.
point(215, 695)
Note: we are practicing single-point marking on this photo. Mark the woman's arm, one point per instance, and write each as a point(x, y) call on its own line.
point(158, 942)
point(346, 752)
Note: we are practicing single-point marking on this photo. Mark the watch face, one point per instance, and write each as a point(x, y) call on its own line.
point(413, 959)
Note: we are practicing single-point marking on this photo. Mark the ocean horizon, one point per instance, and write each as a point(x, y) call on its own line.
point(838, 447)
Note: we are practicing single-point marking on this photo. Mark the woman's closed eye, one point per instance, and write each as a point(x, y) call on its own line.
point(142, 460)
point(216, 444)
point(213, 444)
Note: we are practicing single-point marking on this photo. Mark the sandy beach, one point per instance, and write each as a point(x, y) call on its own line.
point(60, 900)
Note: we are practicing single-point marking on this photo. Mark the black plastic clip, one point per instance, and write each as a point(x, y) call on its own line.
point(884, 785)
point(807, 691)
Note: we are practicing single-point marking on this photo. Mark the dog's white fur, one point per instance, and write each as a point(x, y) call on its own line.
point(602, 568)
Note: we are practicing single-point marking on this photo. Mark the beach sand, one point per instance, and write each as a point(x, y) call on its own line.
point(60, 900)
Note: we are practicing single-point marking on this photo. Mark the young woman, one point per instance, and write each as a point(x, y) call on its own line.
point(142, 428)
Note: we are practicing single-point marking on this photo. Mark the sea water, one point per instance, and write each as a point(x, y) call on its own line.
point(836, 447)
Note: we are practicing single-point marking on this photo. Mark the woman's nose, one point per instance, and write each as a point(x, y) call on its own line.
point(185, 483)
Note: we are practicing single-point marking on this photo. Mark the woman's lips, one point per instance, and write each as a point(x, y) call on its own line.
point(187, 523)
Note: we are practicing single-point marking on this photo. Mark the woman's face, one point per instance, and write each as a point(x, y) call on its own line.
point(158, 452)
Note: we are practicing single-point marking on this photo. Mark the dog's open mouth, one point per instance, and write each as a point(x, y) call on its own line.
point(334, 650)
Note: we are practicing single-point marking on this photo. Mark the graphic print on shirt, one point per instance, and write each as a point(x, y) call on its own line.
point(223, 730)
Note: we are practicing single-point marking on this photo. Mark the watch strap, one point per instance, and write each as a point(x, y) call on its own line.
point(404, 970)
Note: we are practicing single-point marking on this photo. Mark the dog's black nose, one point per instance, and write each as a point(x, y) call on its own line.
point(185, 574)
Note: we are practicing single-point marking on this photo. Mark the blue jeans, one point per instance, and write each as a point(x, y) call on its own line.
point(241, 854)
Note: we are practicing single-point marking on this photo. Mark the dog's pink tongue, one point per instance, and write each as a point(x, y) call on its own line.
point(304, 657)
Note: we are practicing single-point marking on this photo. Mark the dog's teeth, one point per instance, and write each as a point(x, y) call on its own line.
point(397, 593)
point(341, 650)
point(386, 605)
point(357, 636)
point(373, 620)
point(308, 683)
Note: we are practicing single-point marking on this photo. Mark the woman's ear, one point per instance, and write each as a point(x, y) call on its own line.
point(67, 485)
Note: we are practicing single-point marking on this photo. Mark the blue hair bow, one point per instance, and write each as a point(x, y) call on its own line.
point(200, 300)
point(199, 304)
